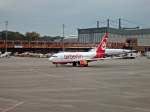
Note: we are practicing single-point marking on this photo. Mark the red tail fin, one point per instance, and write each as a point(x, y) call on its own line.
point(102, 46)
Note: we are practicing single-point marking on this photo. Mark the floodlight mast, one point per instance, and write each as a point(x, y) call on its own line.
point(6, 35)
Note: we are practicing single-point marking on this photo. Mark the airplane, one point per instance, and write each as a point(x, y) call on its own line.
point(121, 53)
point(112, 52)
point(81, 58)
point(118, 51)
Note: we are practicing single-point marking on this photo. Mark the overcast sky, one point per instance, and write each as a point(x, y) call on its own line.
point(47, 16)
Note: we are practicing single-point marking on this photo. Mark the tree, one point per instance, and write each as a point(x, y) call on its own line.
point(11, 35)
point(50, 38)
point(32, 36)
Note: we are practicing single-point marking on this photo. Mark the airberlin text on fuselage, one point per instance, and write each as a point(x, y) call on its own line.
point(73, 56)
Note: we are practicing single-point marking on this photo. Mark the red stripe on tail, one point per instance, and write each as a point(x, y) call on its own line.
point(102, 46)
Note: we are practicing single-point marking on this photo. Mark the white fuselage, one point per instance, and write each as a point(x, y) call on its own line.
point(67, 57)
point(72, 56)
point(116, 51)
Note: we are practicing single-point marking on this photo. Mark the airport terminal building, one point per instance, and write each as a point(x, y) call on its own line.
point(137, 38)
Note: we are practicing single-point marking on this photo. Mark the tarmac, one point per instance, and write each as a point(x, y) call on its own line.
point(35, 85)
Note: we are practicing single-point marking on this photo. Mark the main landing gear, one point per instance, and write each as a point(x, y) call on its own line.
point(74, 64)
point(80, 64)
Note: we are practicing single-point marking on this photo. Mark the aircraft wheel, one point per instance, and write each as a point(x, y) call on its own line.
point(78, 63)
point(74, 64)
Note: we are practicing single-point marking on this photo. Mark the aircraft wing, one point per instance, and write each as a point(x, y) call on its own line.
point(98, 59)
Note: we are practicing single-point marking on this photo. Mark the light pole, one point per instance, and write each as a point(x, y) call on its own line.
point(6, 34)
point(63, 37)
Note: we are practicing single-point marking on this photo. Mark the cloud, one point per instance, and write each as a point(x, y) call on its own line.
point(47, 16)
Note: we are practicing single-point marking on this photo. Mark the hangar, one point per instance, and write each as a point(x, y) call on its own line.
point(136, 38)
